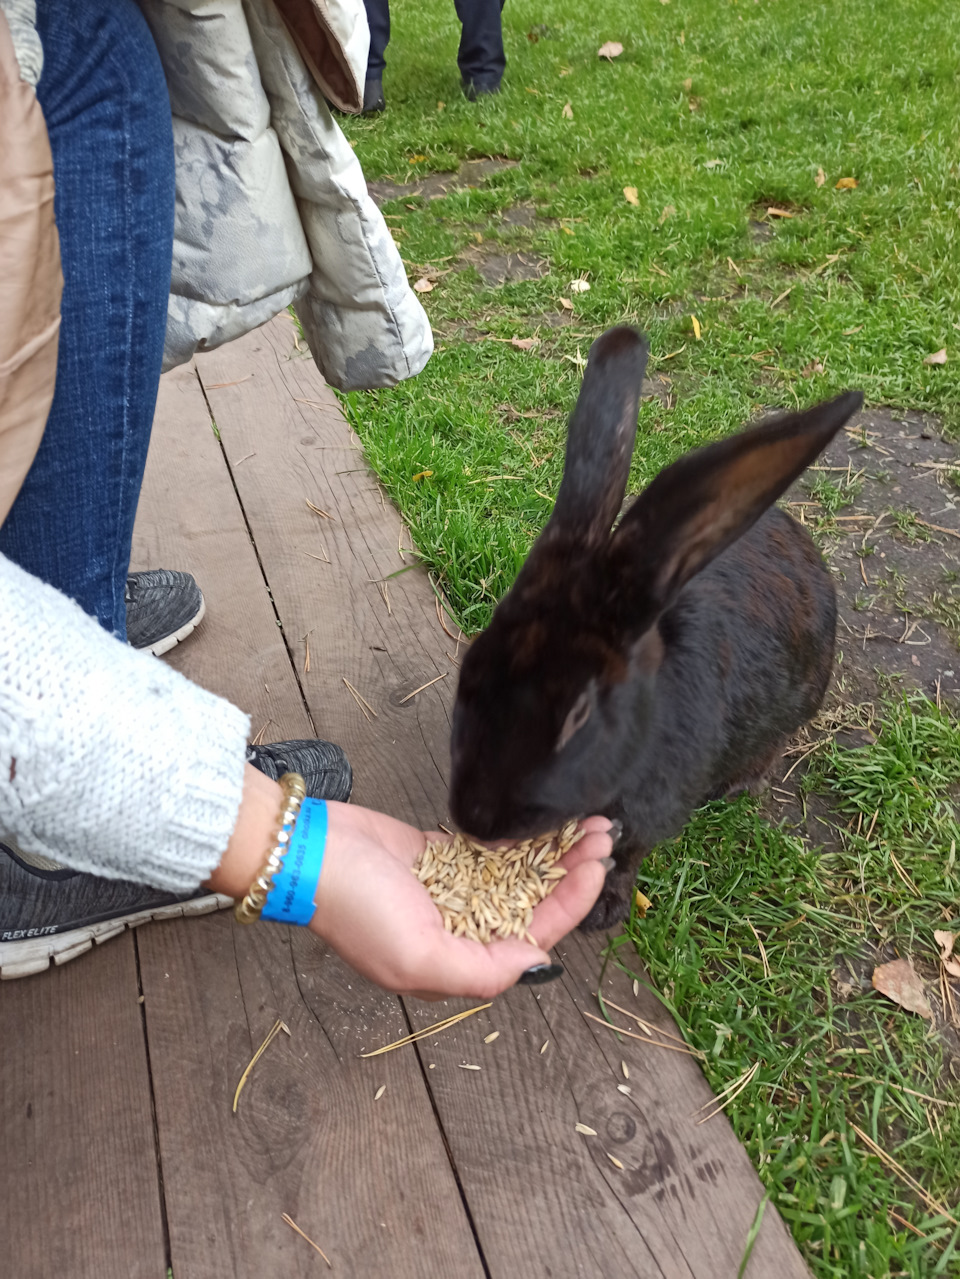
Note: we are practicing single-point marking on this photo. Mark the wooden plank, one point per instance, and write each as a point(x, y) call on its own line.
point(366, 1180)
point(682, 1204)
point(79, 1192)
point(541, 1201)
point(288, 444)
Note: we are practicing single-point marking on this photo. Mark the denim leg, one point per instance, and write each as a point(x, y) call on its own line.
point(378, 20)
point(481, 58)
point(105, 102)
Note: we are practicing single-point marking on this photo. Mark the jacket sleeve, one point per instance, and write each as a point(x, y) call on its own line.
point(29, 261)
point(110, 761)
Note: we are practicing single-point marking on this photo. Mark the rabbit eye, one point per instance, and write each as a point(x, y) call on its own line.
point(577, 716)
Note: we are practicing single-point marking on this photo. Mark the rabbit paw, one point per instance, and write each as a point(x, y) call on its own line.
point(613, 904)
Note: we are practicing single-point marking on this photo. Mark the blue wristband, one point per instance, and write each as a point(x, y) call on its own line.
point(291, 898)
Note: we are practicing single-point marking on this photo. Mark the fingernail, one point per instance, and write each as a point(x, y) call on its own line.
point(539, 974)
point(607, 863)
point(616, 829)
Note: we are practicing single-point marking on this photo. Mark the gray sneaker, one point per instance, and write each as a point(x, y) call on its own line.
point(49, 914)
point(163, 607)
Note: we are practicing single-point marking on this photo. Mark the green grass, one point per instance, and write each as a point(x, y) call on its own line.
point(732, 884)
point(717, 110)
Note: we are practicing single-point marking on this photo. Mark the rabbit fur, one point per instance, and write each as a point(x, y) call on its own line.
point(639, 672)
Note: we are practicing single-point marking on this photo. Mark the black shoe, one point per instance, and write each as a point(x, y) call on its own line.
point(163, 607)
point(324, 767)
point(52, 915)
point(373, 99)
point(480, 87)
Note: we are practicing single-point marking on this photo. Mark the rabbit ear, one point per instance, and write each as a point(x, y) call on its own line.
point(710, 497)
point(600, 438)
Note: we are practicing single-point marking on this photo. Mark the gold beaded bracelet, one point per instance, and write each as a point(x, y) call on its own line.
point(248, 910)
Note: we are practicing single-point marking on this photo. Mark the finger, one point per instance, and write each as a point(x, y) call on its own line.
point(591, 848)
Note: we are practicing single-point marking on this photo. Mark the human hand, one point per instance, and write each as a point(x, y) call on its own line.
point(382, 921)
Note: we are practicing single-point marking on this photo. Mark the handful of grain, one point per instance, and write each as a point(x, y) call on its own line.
point(485, 893)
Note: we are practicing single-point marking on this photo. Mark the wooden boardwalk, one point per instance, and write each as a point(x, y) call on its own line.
point(121, 1155)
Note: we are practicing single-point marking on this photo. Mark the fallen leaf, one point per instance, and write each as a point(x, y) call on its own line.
point(579, 286)
point(900, 982)
point(848, 333)
point(711, 164)
point(643, 903)
point(846, 184)
point(441, 106)
point(567, 111)
point(687, 86)
point(524, 344)
point(612, 49)
point(813, 367)
point(535, 92)
point(945, 941)
point(415, 159)
point(566, 71)
point(774, 212)
point(938, 357)
point(424, 286)
point(668, 212)
point(696, 327)
point(420, 475)
point(820, 178)
point(630, 195)
point(566, 304)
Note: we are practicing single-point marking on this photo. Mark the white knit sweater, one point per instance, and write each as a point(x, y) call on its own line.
point(110, 762)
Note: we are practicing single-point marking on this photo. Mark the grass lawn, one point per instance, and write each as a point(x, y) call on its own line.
point(650, 178)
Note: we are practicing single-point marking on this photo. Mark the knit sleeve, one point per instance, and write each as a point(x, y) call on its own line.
point(110, 762)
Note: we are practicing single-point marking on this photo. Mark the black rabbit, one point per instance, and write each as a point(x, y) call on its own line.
point(640, 672)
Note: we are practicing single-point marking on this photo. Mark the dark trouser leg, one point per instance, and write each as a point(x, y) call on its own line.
point(105, 102)
point(378, 19)
point(481, 58)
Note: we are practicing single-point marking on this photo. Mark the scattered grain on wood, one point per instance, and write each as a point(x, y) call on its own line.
point(614, 1160)
point(380, 1091)
point(626, 1070)
point(427, 1030)
point(585, 1131)
point(624, 1088)
point(429, 684)
point(487, 893)
point(494, 1034)
point(275, 1030)
point(293, 1226)
point(645, 1039)
point(544, 1046)
point(468, 1066)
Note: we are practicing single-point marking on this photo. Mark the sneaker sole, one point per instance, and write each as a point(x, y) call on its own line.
point(164, 645)
point(36, 954)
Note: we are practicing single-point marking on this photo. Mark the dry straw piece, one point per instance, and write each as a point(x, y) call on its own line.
point(484, 893)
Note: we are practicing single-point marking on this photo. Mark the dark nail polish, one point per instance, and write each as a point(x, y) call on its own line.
point(540, 974)
point(616, 829)
point(607, 863)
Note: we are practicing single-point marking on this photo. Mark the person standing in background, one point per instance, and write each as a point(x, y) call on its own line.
point(481, 58)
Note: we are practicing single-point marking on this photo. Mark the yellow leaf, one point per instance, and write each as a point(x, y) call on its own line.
point(643, 903)
point(630, 195)
point(820, 178)
point(415, 159)
point(478, 236)
point(421, 475)
point(846, 184)
point(566, 70)
point(567, 111)
point(566, 230)
point(424, 286)
point(668, 212)
point(612, 49)
point(687, 85)
point(696, 327)
point(938, 357)
point(441, 106)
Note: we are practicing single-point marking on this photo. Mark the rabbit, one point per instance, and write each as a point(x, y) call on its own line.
point(641, 671)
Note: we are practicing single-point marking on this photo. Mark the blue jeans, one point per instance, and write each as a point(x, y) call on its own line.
point(105, 102)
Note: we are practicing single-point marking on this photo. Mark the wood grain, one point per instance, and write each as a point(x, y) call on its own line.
point(366, 1180)
point(79, 1190)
